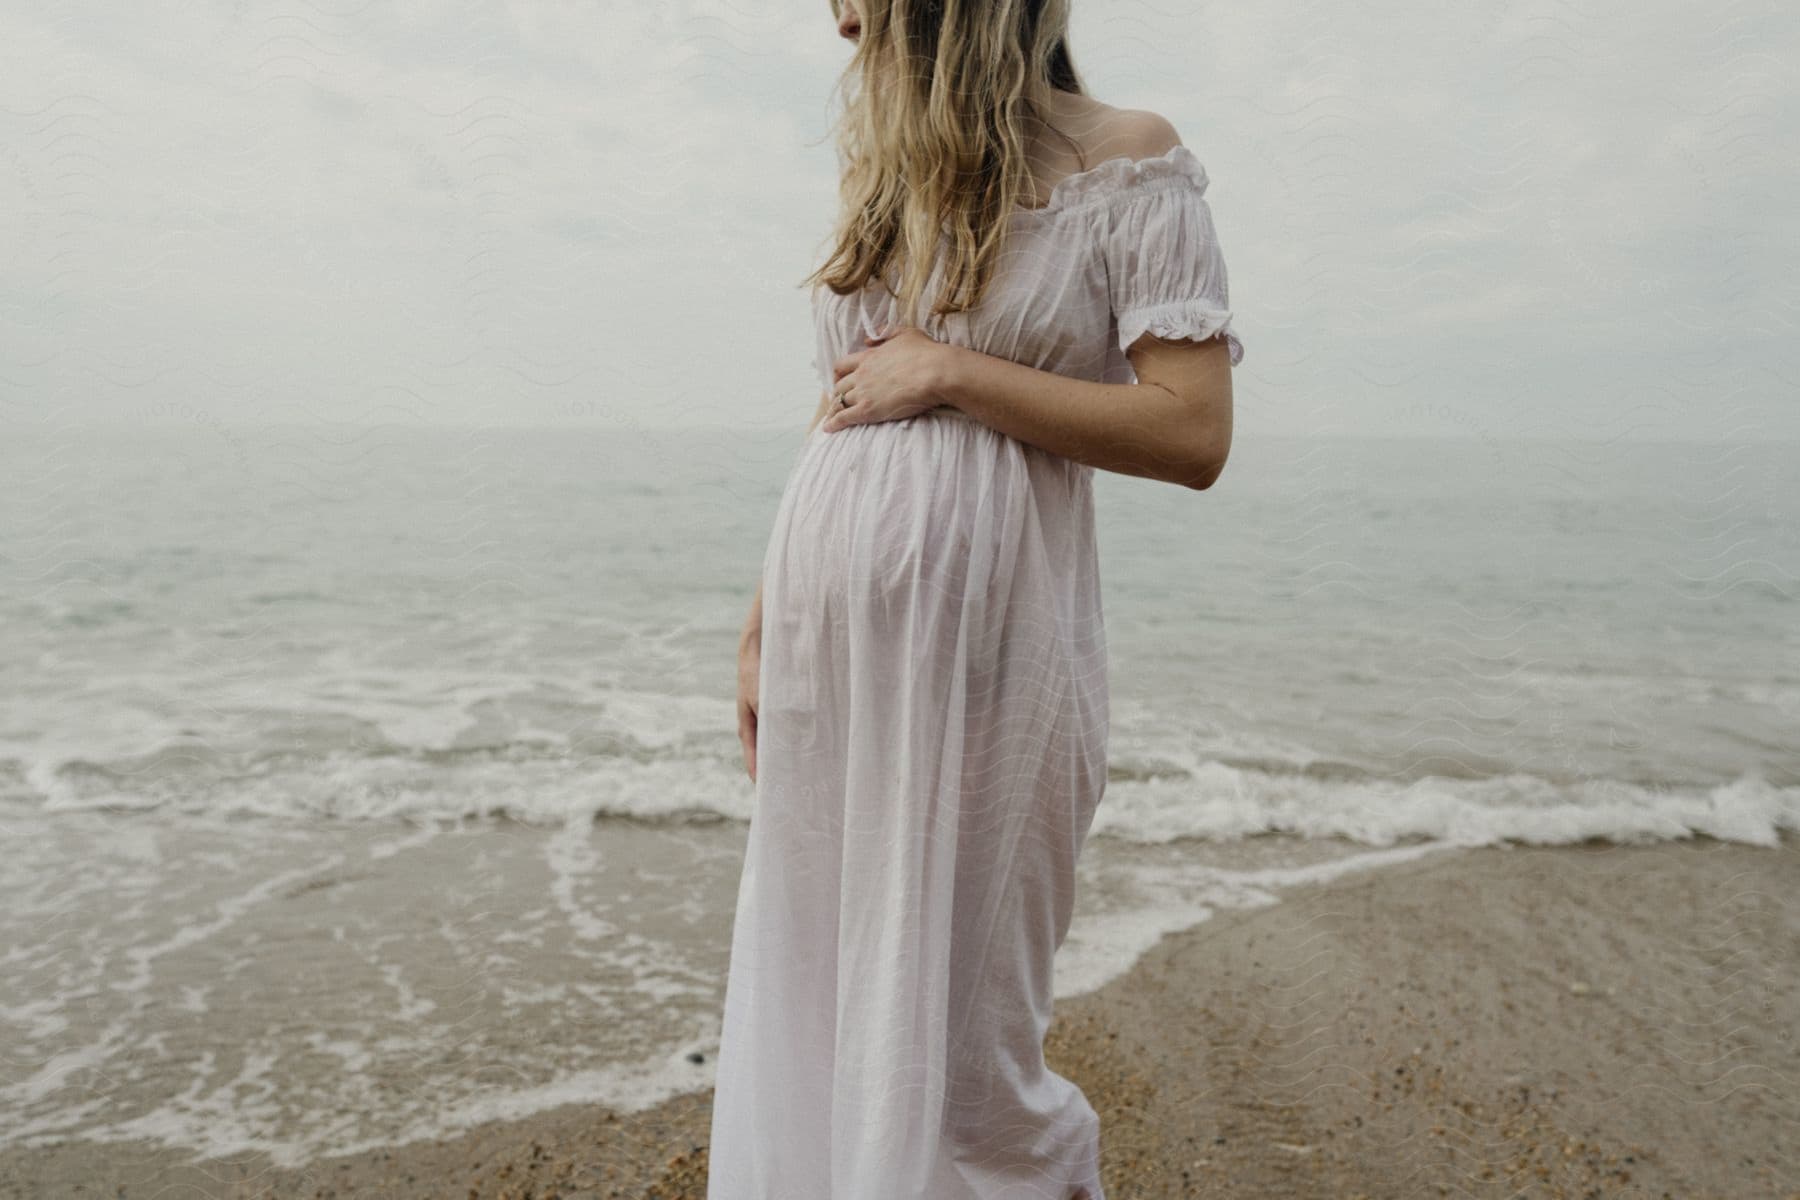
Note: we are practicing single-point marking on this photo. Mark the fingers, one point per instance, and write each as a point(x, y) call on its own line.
point(847, 364)
point(852, 360)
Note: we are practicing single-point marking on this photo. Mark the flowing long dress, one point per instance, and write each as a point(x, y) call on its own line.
point(933, 740)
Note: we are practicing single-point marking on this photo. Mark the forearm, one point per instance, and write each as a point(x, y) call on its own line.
point(1137, 429)
point(751, 634)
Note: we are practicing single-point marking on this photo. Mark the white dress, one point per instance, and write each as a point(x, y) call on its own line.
point(932, 741)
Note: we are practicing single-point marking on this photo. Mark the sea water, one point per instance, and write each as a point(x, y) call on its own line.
point(361, 784)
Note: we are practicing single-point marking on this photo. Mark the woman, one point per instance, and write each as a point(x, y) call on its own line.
point(922, 680)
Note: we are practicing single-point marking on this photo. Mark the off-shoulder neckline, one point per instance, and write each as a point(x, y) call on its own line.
point(1120, 172)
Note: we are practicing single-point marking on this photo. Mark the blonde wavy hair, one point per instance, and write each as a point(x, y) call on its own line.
point(933, 141)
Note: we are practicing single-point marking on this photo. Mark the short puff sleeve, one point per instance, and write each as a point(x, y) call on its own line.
point(1165, 271)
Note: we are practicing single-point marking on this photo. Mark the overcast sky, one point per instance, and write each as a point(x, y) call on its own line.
point(1536, 219)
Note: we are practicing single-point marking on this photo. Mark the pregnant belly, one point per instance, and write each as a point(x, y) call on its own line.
point(902, 511)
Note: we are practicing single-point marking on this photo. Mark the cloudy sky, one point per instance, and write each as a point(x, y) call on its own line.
point(1535, 219)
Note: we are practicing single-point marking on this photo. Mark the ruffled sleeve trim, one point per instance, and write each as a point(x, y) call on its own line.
point(1123, 175)
point(1180, 319)
point(1165, 271)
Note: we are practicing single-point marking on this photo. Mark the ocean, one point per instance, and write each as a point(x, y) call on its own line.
point(361, 784)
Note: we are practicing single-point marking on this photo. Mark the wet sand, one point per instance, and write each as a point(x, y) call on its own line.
point(1591, 1021)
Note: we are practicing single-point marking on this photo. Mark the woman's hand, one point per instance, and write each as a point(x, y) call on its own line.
point(900, 375)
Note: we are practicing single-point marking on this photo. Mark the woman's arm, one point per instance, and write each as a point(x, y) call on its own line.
point(1173, 425)
point(750, 647)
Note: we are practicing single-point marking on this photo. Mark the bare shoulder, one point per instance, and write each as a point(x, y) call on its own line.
point(1105, 132)
point(1140, 133)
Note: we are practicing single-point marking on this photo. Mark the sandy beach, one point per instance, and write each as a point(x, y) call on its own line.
point(1562, 1022)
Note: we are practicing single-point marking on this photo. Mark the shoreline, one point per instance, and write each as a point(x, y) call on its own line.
point(1591, 1020)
